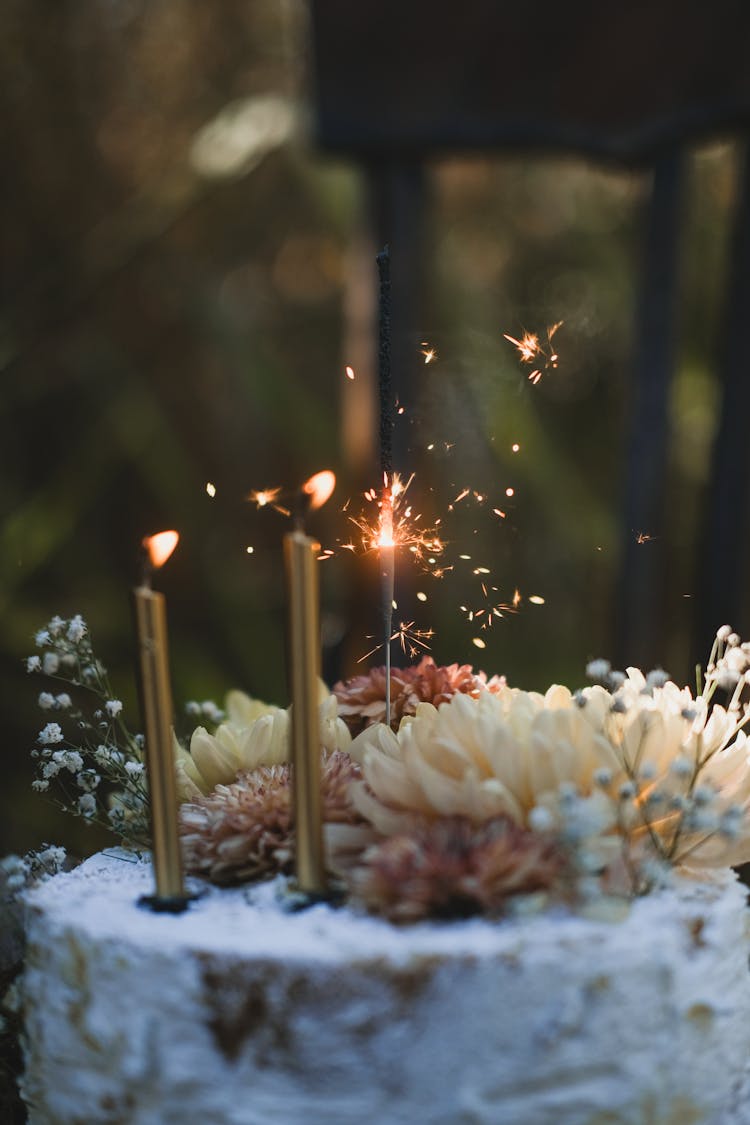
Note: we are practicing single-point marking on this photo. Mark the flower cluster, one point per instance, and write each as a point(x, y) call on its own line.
point(633, 781)
point(478, 793)
point(87, 759)
point(36, 866)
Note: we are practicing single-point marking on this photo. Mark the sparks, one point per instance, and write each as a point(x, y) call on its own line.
point(396, 524)
point(349, 372)
point(542, 356)
point(267, 498)
point(210, 489)
point(413, 641)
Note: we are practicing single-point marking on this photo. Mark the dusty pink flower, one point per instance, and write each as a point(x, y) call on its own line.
point(451, 868)
point(245, 831)
point(361, 699)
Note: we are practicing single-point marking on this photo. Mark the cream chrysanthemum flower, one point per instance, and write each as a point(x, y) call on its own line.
point(254, 734)
point(501, 754)
point(646, 771)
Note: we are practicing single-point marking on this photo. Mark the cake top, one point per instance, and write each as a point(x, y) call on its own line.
point(477, 794)
point(100, 898)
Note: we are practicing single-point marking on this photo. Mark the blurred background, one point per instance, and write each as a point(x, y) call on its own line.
point(186, 280)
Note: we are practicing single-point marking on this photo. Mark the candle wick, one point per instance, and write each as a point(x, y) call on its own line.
point(146, 568)
point(300, 508)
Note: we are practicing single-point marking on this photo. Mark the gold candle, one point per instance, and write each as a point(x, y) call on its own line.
point(156, 705)
point(300, 557)
point(304, 664)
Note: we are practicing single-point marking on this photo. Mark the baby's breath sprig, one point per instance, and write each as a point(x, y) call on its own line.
point(683, 794)
point(89, 761)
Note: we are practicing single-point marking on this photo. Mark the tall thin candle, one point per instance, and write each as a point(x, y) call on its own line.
point(156, 704)
point(300, 557)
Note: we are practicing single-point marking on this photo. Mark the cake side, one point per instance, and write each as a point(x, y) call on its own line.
point(241, 1014)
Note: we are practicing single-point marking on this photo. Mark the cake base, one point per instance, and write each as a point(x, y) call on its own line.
point(236, 1013)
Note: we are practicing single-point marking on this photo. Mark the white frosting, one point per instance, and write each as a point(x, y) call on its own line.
point(236, 1013)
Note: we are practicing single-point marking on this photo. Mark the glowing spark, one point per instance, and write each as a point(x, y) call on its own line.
point(430, 355)
point(516, 598)
point(210, 489)
point(478, 642)
point(535, 599)
point(515, 447)
point(413, 641)
point(465, 492)
point(464, 556)
point(250, 550)
point(499, 512)
point(396, 525)
point(510, 492)
point(641, 537)
point(528, 345)
point(350, 372)
point(421, 597)
point(267, 498)
point(531, 351)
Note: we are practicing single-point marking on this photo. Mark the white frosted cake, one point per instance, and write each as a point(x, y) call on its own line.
point(540, 924)
point(237, 1013)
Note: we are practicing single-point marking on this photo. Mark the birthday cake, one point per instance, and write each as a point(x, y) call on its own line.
point(239, 1012)
point(536, 920)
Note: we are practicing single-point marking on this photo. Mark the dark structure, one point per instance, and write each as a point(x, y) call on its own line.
point(398, 84)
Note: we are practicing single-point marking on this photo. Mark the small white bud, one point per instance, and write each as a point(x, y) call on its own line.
point(540, 819)
point(598, 669)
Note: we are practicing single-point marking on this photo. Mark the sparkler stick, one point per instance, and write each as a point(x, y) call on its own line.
point(385, 539)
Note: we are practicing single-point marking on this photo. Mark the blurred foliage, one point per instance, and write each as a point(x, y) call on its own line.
point(178, 271)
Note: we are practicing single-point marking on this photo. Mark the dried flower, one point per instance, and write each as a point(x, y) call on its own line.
point(245, 830)
point(451, 868)
point(498, 755)
point(362, 699)
point(255, 734)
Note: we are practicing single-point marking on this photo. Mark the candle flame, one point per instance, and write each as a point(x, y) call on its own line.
point(319, 488)
point(160, 547)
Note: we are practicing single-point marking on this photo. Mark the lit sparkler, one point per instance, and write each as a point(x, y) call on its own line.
point(542, 357)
